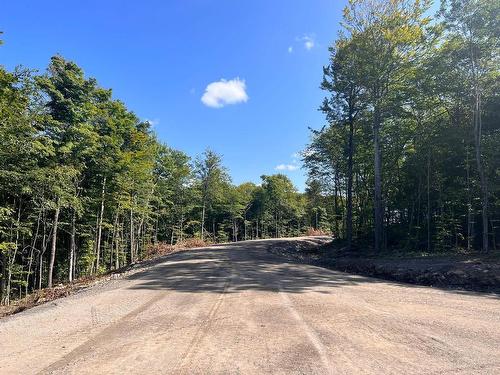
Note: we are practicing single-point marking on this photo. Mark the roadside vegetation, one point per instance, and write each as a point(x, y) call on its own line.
point(409, 158)
point(87, 188)
point(411, 148)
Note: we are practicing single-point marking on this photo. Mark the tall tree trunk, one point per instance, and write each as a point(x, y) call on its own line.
point(428, 200)
point(28, 274)
point(378, 206)
point(113, 241)
point(72, 246)
point(480, 168)
point(140, 236)
point(3, 284)
point(99, 226)
point(44, 248)
point(477, 119)
point(335, 203)
point(9, 261)
point(359, 204)
point(213, 230)
point(155, 237)
point(203, 222)
point(469, 202)
point(33, 244)
point(181, 226)
point(349, 183)
point(119, 236)
point(54, 244)
point(132, 242)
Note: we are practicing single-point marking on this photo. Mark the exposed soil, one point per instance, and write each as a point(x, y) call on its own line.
point(476, 272)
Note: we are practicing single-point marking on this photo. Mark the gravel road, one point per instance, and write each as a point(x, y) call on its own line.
point(238, 309)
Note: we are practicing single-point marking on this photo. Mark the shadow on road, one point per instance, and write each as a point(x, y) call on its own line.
point(246, 266)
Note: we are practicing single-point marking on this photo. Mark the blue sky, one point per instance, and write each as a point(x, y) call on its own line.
point(160, 56)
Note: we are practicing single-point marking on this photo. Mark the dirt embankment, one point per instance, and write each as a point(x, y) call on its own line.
point(477, 272)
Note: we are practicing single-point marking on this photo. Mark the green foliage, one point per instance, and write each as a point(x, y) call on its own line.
point(85, 186)
point(426, 90)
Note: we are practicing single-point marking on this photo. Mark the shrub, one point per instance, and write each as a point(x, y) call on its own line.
point(316, 232)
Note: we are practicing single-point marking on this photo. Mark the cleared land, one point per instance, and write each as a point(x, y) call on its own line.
point(237, 308)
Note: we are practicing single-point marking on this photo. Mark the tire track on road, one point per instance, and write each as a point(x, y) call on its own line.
point(311, 334)
point(203, 329)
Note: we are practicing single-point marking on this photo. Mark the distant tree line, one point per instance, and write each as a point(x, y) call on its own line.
point(86, 187)
point(411, 149)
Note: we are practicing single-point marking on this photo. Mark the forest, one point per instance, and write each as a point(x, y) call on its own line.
point(411, 148)
point(86, 187)
point(408, 158)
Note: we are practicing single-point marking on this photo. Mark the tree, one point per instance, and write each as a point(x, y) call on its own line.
point(246, 194)
point(22, 145)
point(472, 32)
point(419, 87)
point(279, 194)
point(211, 177)
point(341, 80)
point(172, 174)
point(391, 31)
point(74, 140)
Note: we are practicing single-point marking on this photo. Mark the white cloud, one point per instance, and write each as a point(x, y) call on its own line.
point(218, 94)
point(290, 167)
point(307, 40)
point(290, 49)
point(286, 167)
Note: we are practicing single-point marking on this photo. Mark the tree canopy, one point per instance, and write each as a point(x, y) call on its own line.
point(410, 148)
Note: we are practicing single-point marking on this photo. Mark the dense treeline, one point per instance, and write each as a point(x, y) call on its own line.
point(86, 187)
point(409, 158)
point(411, 151)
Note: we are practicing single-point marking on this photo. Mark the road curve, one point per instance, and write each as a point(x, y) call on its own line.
point(237, 309)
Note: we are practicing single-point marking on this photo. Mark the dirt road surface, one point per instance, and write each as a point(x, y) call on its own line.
point(237, 309)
